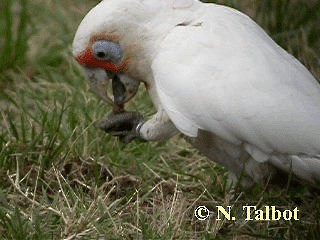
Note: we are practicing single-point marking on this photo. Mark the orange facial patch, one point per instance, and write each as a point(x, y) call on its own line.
point(87, 58)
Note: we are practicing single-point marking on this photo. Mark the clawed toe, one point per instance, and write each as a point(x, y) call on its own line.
point(122, 125)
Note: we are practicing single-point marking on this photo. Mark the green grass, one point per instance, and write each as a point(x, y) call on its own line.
point(61, 178)
point(16, 33)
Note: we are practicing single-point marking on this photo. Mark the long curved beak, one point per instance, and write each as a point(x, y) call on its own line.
point(123, 88)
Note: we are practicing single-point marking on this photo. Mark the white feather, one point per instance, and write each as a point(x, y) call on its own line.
point(181, 3)
point(224, 74)
point(222, 81)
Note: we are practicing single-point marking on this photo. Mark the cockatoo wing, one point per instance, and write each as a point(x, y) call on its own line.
point(220, 72)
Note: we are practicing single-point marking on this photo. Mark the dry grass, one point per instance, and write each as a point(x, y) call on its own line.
point(61, 178)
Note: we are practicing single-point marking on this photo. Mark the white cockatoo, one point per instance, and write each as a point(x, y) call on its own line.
point(213, 75)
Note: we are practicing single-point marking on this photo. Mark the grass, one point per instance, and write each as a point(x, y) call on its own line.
point(61, 178)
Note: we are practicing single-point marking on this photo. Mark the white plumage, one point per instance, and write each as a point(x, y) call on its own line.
point(221, 80)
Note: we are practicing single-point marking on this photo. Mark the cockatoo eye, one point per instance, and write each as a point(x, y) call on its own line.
point(104, 50)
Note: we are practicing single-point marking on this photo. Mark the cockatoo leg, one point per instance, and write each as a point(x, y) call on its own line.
point(233, 180)
point(158, 128)
point(242, 168)
point(131, 125)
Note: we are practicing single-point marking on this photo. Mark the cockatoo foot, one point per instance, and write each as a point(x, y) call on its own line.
point(233, 180)
point(125, 125)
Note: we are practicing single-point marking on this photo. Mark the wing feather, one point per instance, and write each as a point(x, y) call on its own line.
point(224, 74)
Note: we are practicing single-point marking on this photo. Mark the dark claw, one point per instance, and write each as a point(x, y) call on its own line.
point(128, 138)
point(122, 121)
point(122, 125)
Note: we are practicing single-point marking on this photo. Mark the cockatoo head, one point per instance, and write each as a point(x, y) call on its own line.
point(110, 43)
point(100, 48)
point(119, 38)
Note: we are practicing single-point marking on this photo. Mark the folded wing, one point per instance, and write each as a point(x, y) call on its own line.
point(222, 73)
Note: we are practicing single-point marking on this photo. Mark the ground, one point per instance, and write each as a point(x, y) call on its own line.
point(62, 178)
